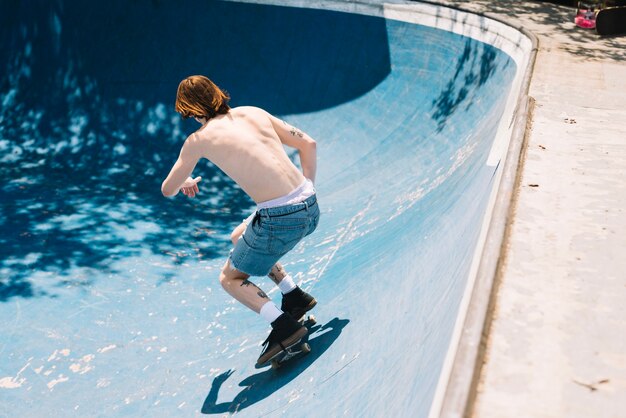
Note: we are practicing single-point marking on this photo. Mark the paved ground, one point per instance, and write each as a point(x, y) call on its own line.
point(557, 346)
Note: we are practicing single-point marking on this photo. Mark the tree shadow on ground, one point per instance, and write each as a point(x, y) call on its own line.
point(88, 131)
point(473, 69)
point(552, 20)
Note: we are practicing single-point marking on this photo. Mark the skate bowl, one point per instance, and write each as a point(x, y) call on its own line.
point(109, 291)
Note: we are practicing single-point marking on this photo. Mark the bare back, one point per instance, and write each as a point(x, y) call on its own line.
point(247, 144)
point(244, 144)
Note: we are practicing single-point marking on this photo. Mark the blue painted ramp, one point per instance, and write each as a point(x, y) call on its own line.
point(108, 291)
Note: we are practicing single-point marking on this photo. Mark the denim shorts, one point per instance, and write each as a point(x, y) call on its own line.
point(271, 234)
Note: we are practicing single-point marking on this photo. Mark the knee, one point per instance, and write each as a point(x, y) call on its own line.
point(224, 276)
point(230, 274)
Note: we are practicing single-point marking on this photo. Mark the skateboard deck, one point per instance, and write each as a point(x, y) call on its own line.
point(611, 21)
point(297, 348)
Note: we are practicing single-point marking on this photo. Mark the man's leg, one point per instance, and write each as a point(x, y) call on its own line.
point(277, 274)
point(286, 331)
point(295, 301)
point(237, 285)
point(283, 280)
point(238, 232)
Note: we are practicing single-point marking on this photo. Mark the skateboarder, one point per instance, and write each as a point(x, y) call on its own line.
point(247, 144)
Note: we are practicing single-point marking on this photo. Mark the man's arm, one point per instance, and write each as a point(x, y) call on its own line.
point(182, 169)
point(306, 146)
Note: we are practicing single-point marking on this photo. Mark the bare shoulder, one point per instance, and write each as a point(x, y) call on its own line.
point(193, 142)
point(251, 112)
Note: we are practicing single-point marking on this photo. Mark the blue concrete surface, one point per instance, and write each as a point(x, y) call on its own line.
point(108, 291)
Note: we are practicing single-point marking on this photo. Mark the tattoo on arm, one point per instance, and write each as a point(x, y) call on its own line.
point(261, 293)
point(296, 132)
point(293, 131)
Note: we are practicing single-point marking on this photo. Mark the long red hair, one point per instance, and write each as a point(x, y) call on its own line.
point(197, 96)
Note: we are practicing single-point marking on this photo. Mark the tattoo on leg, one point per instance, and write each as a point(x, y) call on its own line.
point(277, 271)
point(261, 293)
point(279, 268)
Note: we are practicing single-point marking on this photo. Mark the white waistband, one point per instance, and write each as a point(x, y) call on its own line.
point(301, 193)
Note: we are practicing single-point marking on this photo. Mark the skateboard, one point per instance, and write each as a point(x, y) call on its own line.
point(611, 21)
point(297, 348)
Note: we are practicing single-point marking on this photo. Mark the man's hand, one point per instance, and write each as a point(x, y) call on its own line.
point(190, 186)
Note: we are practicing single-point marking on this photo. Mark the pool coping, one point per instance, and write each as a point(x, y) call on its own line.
point(457, 397)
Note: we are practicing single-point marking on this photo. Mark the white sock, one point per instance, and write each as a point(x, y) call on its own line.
point(270, 312)
point(286, 285)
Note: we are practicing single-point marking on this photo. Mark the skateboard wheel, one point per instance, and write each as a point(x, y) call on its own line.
point(306, 348)
point(312, 320)
point(275, 364)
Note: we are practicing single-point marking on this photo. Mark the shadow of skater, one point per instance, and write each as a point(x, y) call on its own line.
point(261, 385)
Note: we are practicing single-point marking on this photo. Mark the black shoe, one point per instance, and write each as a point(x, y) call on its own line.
point(286, 332)
point(297, 303)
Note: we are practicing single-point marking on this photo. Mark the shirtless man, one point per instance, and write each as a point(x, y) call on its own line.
point(247, 144)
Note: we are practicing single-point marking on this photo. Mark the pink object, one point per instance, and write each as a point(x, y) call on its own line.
point(585, 19)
